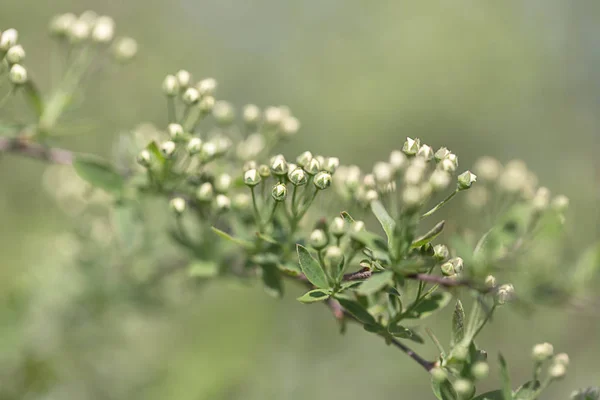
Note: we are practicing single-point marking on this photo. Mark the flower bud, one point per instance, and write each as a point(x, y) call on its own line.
point(561, 358)
point(207, 87)
point(415, 172)
point(371, 195)
point(252, 178)
point(425, 152)
point(466, 179)
point(250, 165)
point(313, 166)
point(440, 252)
point(170, 86)
point(15, 54)
point(464, 388)
point(304, 159)
point(241, 201)
point(251, 115)
point(490, 281)
point(331, 164)
point(458, 264)
point(279, 192)
point(318, 239)
point(460, 353)
point(439, 180)
point(383, 172)
point(177, 205)
point(541, 199)
point(17, 74)
point(222, 203)
point(542, 352)
point(337, 227)
point(175, 132)
point(557, 371)
point(104, 30)
point(478, 197)
point(333, 257)
point(89, 16)
point(487, 168)
point(223, 112)
point(505, 293)
point(369, 181)
point(273, 116)
point(398, 160)
point(264, 171)
point(560, 203)
point(279, 166)
point(322, 180)
point(208, 151)
point(125, 49)
point(441, 154)
point(168, 148)
point(184, 78)
point(190, 96)
point(480, 370)
point(194, 145)
point(298, 177)
point(144, 158)
point(447, 165)
point(411, 146)
point(448, 269)
point(411, 196)
point(289, 126)
point(205, 192)
point(438, 375)
point(8, 39)
point(352, 179)
point(358, 226)
point(223, 183)
point(60, 25)
point(206, 104)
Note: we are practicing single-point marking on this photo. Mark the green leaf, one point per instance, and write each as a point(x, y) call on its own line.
point(314, 296)
point(444, 390)
point(405, 333)
point(429, 236)
point(493, 395)
point(34, 98)
point(349, 284)
point(311, 268)
point(203, 269)
point(156, 153)
point(525, 391)
point(458, 324)
point(266, 238)
point(357, 310)
point(241, 242)
point(99, 173)
point(346, 217)
point(369, 239)
point(271, 278)
point(375, 283)
point(290, 269)
point(387, 222)
point(505, 378)
point(431, 304)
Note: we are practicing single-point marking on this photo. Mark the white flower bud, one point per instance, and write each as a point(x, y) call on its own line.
point(383, 172)
point(425, 152)
point(466, 180)
point(248, 165)
point(251, 114)
point(168, 148)
point(411, 146)
point(207, 86)
point(222, 144)
point(514, 178)
point(331, 164)
point(505, 293)
point(177, 205)
point(411, 196)
point(490, 281)
point(273, 116)
point(439, 180)
point(89, 16)
point(480, 370)
point(415, 172)
point(369, 181)
point(15, 54)
point(264, 170)
point(241, 201)
point(79, 31)
point(223, 183)
point(60, 25)
point(337, 227)
point(184, 78)
point(206, 104)
point(125, 49)
point(560, 203)
point(441, 154)
point(223, 112)
point(557, 371)
point(205, 192)
point(289, 126)
point(358, 226)
point(190, 96)
point(17, 74)
point(104, 30)
point(208, 151)
point(561, 358)
point(458, 264)
point(440, 252)
point(175, 131)
point(398, 160)
point(371, 195)
point(464, 388)
point(252, 178)
point(313, 166)
point(447, 165)
point(144, 158)
point(487, 168)
point(298, 177)
point(222, 203)
point(194, 145)
point(279, 192)
point(334, 256)
point(352, 179)
point(448, 269)
point(278, 165)
point(8, 39)
point(542, 352)
point(318, 239)
point(541, 199)
point(170, 86)
point(322, 180)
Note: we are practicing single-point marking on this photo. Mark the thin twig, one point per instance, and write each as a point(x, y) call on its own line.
point(23, 146)
point(445, 281)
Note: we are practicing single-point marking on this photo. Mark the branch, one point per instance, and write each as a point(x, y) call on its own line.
point(445, 281)
point(24, 146)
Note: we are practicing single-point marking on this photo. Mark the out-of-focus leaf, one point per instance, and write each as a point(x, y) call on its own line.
point(272, 282)
point(458, 324)
point(588, 266)
point(375, 283)
point(357, 310)
point(203, 269)
point(387, 222)
point(505, 378)
point(290, 268)
point(369, 239)
point(241, 242)
point(314, 296)
point(126, 227)
point(99, 173)
point(311, 268)
point(34, 98)
point(525, 391)
point(153, 148)
point(430, 305)
point(493, 395)
point(429, 236)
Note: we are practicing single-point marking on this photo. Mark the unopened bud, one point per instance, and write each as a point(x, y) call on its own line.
point(278, 165)
point(448, 269)
point(411, 146)
point(557, 371)
point(322, 180)
point(206, 104)
point(184, 78)
point(331, 164)
point(304, 159)
point(264, 171)
point(458, 264)
point(415, 172)
point(125, 49)
point(358, 226)
point(505, 293)
point(541, 199)
point(318, 239)
point(561, 358)
point(15, 54)
point(207, 86)
point(273, 116)
point(425, 152)
point(144, 158)
point(104, 30)
point(289, 126)
point(252, 178)
point(411, 196)
point(175, 132)
point(17, 74)
point(398, 160)
point(190, 96)
point(439, 180)
point(177, 205)
point(298, 177)
point(251, 115)
point(241, 201)
point(279, 192)
point(250, 165)
point(194, 145)
point(466, 180)
point(487, 168)
point(313, 166)
point(8, 39)
point(168, 148)
point(441, 154)
point(560, 203)
point(337, 227)
point(371, 195)
point(542, 352)
point(208, 151)
point(490, 281)
point(60, 25)
point(438, 375)
point(447, 165)
point(223, 183)
point(440, 252)
point(170, 85)
point(464, 388)
point(383, 172)
point(222, 203)
point(223, 112)
point(369, 181)
point(480, 370)
point(333, 257)
point(205, 192)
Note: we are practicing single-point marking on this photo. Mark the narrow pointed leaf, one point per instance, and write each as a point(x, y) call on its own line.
point(241, 242)
point(357, 310)
point(347, 217)
point(311, 268)
point(429, 236)
point(458, 324)
point(430, 305)
point(387, 222)
point(505, 378)
point(314, 296)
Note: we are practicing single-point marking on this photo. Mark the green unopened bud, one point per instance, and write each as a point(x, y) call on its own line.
point(438, 375)
point(206, 104)
point(241, 201)
point(557, 371)
point(505, 293)
point(8, 39)
point(458, 264)
point(441, 154)
point(279, 166)
point(144, 158)
point(251, 115)
point(425, 152)
point(439, 180)
point(411, 146)
point(448, 269)
point(15, 54)
point(184, 78)
point(194, 145)
point(464, 388)
point(383, 172)
point(331, 164)
point(333, 258)
point(223, 112)
point(460, 353)
point(337, 227)
point(279, 192)
point(264, 171)
point(490, 281)
point(205, 192)
point(289, 126)
point(480, 370)
point(190, 96)
point(542, 352)
point(313, 166)
point(358, 226)
point(177, 205)
point(207, 87)
point(298, 177)
point(560, 203)
point(252, 178)
point(398, 160)
point(318, 239)
point(440, 252)
point(487, 168)
point(322, 180)
point(304, 159)
point(466, 180)
point(175, 132)
point(103, 30)
point(168, 148)
point(223, 183)
point(170, 86)
point(17, 75)
point(222, 203)
point(125, 49)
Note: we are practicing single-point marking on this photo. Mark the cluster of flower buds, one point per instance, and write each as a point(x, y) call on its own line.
point(89, 27)
point(557, 367)
point(12, 56)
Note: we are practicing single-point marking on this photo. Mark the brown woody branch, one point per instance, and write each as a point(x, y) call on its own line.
point(25, 147)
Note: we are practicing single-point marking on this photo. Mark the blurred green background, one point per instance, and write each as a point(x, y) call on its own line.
point(511, 79)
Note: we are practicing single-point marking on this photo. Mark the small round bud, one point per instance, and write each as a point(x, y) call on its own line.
point(490, 281)
point(358, 226)
point(207, 86)
point(194, 145)
point(480, 370)
point(251, 115)
point(331, 164)
point(318, 239)
point(170, 86)
point(466, 180)
point(208, 151)
point(89, 16)
point(560, 203)
point(241, 201)
point(487, 168)
point(279, 192)
point(273, 116)
point(125, 49)
point(542, 352)
point(425, 152)
point(184, 78)
point(398, 160)
point(561, 358)
point(264, 171)
point(17, 74)
point(313, 166)
point(333, 258)
point(415, 172)
point(369, 181)
point(460, 353)
point(439, 180)
point(557, 371)
point(371, 195)
point(190, 96)
point(252, 178)
point(464, 388)
point(448, 269)
point(60, 25)
point(440, 252)
point(411, 196)
point(383, 172)
point(205, 192)
point(298, 177)
point(15, 54)
point(447, 165)
point(337, 227)
point(249, 165)
point(278, 165)
point(541, 199)
point(223, 183)
point(458, 264)
point(79, 31)
point(8, 39)
point(222, 203)
point(438, 375)
point(441, 154)
point(144, 158)
point(104, 30)
point(304, 159)
point(206, 104)
point(223, 112)
point(505, 293)
point(289, 126)
point(478, 197)
point(168, 148)
point(177, 205)
point(175, 131)
point(411, 146)
point(322, 180)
